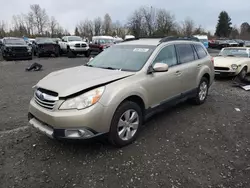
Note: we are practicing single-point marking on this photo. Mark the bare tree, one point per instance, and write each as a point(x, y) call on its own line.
point(188, 27)
point(98, 26)
point(40, 18)
point(52, 26)
point(86, 28)
point(107, 25)
point(135, 24)
point(165, 22)
point(149, 19)
point(118, 29)
point(245, 30)
point(2, 29)
point(235, 32)
point(29, 22)
point(199, 30)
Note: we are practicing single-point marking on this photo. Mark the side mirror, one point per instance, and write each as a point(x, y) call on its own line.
point(91, 59)
point(158, 67)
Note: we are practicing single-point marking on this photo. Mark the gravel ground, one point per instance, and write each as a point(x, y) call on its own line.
point(185, 146)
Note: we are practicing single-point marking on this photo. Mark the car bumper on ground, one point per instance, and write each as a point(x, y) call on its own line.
point(79, 49)
point(225, 73)
point(49, 52)
point(69, 124)
point(23, 55)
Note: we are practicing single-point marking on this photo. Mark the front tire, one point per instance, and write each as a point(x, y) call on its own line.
point(70, 54)
point(243, 73)
point(202, 92)
point(125, 124)
point(87, 54)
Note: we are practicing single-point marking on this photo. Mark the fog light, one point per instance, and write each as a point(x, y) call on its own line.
point(78, 133)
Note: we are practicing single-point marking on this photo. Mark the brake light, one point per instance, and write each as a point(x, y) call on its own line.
point(212, 60)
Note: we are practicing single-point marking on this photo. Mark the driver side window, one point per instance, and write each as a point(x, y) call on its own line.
point(167, 55)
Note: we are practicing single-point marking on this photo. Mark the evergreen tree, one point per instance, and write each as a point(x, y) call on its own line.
point(224, 25)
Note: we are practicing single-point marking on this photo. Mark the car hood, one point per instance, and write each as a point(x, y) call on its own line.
point(76, 42)
point(228, 61)
point(16, 45)
point(72, 80)
point(46, 43)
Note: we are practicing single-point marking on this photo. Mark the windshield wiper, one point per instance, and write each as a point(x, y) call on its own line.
point(88, 65)
point(110, 68)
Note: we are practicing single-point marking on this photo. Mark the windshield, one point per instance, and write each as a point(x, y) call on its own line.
point(74, 38)
point(106, 41)
point(56, 39)
point(234, 52)
point(15, 41)
point(231, 41)
point(124, 57)
point(203, 40)
point(44, 40)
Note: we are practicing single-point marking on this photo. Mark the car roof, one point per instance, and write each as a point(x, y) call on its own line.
point(243, 48)
point(154, 41)
point(146, 41)
point(12, 38)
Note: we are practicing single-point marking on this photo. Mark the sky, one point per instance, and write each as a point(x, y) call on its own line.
point(69, 13)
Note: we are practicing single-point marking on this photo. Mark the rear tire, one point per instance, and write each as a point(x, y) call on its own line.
point(202, 92)
point(125, 124)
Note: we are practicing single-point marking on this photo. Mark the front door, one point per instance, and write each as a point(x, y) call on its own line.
point(164, 86)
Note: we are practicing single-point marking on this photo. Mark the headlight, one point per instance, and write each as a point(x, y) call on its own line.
point(234, 66)
point(83, 101)
point(29, 49)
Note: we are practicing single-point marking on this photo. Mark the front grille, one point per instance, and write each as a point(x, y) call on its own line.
point(19, 49)
point(77, 45)
point(221, 68)
point(46, 47)
point(84, 45)
point(46, 99)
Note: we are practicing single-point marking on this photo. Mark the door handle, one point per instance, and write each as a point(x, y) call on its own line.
point(178, 73)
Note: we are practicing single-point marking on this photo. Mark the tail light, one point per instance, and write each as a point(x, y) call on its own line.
point(212, 60)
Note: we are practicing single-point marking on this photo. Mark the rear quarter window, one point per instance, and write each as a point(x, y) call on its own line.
point(185, 53)
point(201, 52)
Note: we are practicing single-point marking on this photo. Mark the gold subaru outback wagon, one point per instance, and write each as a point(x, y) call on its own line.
point(117, 90)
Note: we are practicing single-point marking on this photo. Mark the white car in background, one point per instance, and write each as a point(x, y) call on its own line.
point(232, 61)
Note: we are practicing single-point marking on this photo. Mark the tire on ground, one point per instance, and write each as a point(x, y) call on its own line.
point(113, 137)
point(197, 99)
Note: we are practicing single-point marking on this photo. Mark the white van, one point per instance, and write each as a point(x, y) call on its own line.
point(203, 39)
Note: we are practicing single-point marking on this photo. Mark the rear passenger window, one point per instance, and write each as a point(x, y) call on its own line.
point(200, 51)
point(185, 53)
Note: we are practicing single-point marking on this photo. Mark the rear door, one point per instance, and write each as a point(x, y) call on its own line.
point(188, 65)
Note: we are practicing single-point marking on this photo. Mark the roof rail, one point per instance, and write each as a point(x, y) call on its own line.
point(130, 39)
point(173, 38)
